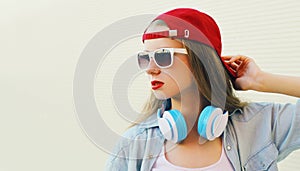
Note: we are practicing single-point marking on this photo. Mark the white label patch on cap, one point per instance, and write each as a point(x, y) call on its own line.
point(172, 33)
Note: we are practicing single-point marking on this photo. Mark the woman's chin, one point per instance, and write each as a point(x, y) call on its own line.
point(161, 95)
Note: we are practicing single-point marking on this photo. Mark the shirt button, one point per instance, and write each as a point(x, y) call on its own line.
point(150, 156)
point(228, 147)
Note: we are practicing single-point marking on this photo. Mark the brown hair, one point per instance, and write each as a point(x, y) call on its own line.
point(214, 83)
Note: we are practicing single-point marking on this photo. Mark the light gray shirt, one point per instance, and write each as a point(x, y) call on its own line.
point(256, 138)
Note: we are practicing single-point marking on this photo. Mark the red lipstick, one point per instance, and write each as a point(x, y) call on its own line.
point(156, 84)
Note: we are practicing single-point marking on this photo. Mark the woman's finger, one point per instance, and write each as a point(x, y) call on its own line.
point(239, 62)
point(238, 59)
point(234, 65)
point(226, 57)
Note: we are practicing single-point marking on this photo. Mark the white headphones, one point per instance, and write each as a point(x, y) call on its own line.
point(211, 124)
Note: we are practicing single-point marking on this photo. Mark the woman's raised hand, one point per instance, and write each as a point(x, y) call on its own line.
point(251, 77)
point(247, 71)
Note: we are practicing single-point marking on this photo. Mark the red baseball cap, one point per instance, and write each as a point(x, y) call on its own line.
point(191, 24)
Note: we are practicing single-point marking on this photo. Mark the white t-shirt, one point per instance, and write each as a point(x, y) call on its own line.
point(162, 164)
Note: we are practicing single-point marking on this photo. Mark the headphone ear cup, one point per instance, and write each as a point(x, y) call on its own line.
point(202, 121)
point(173, 126)
point(212, 122)
point(165, 128)
point(219, 124)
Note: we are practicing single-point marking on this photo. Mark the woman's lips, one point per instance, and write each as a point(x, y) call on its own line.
point(156, 84)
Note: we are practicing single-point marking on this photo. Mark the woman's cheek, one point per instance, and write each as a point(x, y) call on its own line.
point(168, 90)
point(173, 86)
point(176, 79)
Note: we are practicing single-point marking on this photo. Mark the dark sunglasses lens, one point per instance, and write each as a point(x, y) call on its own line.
point(143, 60)
point(163, 57)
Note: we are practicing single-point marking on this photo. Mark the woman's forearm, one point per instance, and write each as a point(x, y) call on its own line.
point(274, 83)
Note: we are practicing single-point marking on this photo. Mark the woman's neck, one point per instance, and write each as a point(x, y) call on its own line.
point(189, 103)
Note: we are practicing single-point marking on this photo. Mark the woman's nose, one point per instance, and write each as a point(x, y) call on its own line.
point(153, 69)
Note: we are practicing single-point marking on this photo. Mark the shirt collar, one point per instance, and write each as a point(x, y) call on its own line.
point(150, 122)
point(236, 111)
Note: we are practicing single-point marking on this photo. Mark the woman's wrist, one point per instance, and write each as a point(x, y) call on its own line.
point(260, 83)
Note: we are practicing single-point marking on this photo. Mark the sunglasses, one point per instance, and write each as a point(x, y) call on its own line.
point(162, 57)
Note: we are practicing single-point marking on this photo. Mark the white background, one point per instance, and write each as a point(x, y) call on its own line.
point(41, 41)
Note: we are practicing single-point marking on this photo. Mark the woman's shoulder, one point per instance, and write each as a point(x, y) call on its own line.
point(136, 136)
point(254, 109)
point(141, 127)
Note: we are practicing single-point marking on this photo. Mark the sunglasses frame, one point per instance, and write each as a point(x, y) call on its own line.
point(151, 55)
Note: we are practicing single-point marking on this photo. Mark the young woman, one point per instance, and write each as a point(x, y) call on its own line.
point(193, 120)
